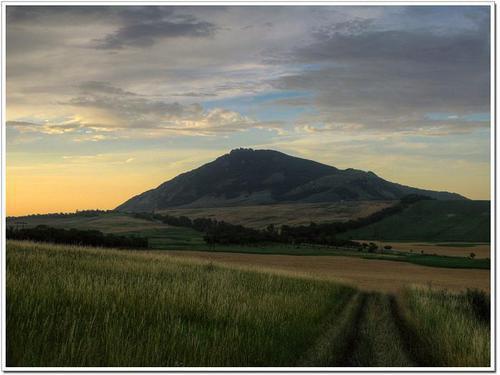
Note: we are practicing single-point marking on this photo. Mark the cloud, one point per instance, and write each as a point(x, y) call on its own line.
point(133, 26)
point(45, 127)
point(145, 33)
point(97, 158)
point(217, 120)
point(364, 68)
point(127, 109)
point(71, 15)
point(114, 113)
point(391, 79)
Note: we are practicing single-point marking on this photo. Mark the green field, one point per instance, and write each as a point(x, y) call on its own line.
point(74, 306)
point(109, 222)
point(166, 237)
point(433, 221)
point(160, 235)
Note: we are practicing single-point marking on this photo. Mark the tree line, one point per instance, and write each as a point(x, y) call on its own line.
point(221, 232)
point(44, 233)
point(77, 213)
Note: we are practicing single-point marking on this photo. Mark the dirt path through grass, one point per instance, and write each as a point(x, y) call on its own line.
point(361, 333)
point(352, 339)
point(378, 341)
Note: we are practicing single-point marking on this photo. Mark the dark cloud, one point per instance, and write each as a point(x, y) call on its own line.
point(399, 45)
point(65, 14)
point(136, 26)
point(390, 79)
point(103, 88)
point(196, 94)
point(146, 34)
point(28, 14)
point(125, 104)
point(351, 27)
point(147, 25)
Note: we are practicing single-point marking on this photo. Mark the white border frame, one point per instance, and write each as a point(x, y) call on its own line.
point(493, 188)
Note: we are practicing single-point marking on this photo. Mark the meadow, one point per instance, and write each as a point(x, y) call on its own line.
point(75, 306)
point(432, 221)
point(108, 222)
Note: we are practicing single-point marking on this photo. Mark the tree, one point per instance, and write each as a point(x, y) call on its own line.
point(372, 247)
point(472, 255)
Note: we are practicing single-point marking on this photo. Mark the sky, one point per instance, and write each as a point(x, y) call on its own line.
point(105, 102)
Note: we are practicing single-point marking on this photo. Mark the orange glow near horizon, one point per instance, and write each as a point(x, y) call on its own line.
point(104, 181)
point(90, 186)
point(31, 195)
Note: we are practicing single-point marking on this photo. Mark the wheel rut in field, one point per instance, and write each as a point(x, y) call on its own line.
point(368, 331)
point(377, 341)
point(353, 337)
point(407, 338)
point(329, 346)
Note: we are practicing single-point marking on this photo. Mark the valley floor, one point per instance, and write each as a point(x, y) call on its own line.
point(366, 274)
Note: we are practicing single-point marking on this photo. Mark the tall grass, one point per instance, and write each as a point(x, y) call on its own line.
point(72, 306)
point(447, 329)
point(75, 306)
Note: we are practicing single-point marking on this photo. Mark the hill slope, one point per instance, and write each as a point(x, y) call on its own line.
point(250, 177)
point(465, 220)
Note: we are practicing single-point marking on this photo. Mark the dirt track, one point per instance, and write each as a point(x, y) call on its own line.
point(371, 275)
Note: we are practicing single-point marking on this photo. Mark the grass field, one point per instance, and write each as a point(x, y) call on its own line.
point(432, 221)
point(366, 274)
point(71, 306)
point(441, 261)
point(109, 222)
point(459, 249)
point(290, 214)
point(80, 307)
point(161, 236)
point(462, 339)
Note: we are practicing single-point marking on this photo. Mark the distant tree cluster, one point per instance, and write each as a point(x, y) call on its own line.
point(221, 232)
point(215, 231)
point(77, 213)
point(321, 234)
point(44, 233)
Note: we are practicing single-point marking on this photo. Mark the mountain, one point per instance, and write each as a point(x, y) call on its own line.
point(253, 177)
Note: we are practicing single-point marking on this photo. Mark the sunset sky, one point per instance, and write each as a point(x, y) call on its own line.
point(106, 102)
